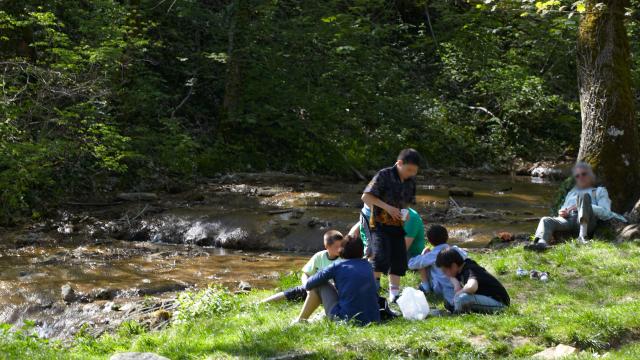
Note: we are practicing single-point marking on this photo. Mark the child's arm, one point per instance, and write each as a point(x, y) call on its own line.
point(304, 278)
point(408, 241)
point(321, 277)
point(456, 285)
point(471, 286)
point(422, 261)
point(355, 229)
point(372, 200)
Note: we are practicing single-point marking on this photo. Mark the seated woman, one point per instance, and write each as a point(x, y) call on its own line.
point(583, 206)
point(354, 296)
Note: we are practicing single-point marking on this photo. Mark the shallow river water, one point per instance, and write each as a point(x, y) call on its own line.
point(271, 222)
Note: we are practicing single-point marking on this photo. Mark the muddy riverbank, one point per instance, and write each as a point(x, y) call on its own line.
point(243, 227)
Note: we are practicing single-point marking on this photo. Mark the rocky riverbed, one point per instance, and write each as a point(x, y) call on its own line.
point(98, 263)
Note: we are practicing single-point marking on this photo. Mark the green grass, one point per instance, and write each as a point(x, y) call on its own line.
point(592, 302)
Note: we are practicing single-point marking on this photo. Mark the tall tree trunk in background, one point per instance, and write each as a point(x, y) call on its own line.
point(238, 27)
point(609, 139)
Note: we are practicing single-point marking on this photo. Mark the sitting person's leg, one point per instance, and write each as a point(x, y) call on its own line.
point(311, 303)
point(464, 302)
point(547, 226)
point(292, 294)
point(586, 217)
point(329, 297)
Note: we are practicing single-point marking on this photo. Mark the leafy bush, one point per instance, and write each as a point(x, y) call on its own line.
point(213, 300)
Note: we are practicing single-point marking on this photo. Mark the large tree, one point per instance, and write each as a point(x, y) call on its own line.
point(609, 138)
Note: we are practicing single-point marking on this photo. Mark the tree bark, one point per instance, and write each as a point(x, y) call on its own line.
point(238, 28)
point(609, 139)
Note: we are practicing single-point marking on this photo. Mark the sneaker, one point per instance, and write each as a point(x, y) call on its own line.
point(538, 246)
point(521, 272)
point(393, 298)
point(544, 277)
point(582, 240)
point(534, 274)
point(423, 289)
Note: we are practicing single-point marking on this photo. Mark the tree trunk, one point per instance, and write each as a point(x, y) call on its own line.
point(238, 28)
point(609, 139)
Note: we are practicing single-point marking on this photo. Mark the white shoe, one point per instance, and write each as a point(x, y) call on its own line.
point(582, 240)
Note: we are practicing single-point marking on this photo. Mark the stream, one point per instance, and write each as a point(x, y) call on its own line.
point(128, 259)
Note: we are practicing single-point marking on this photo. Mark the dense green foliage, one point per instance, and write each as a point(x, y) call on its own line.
point(107, 94)
point(590, 302)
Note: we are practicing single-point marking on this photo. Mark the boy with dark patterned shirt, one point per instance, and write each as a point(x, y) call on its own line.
point(391, 190)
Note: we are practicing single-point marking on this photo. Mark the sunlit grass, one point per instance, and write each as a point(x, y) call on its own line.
point(591, 302)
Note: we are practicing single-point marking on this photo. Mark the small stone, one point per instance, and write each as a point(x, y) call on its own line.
point(460, 191)
point(244, 286)
point(557, 352)
point(68, 293)
point(137, 356)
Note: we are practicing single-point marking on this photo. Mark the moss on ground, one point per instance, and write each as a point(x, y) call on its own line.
point(591, 302)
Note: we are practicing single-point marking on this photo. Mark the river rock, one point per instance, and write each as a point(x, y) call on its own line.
point(68, 293)
point(140, 196)
point(557, 352)
point(551, 170)
point(630, 232)
point(460, 191)
point(137, 356)
point(244, 286)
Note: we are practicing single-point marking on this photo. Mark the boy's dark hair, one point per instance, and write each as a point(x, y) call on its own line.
point(331, 236)
point(352, 248)
point(448, 257)
point(410, 156)
point(437, 234)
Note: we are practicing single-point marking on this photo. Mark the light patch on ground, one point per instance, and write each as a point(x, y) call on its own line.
point(479, 341)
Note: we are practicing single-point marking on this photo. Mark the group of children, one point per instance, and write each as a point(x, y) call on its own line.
point(390, 239)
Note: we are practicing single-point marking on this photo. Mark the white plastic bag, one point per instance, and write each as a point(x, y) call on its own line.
point(413, 304)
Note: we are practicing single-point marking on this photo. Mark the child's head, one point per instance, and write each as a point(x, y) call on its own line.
point(450, 262)
point(352, 248)
point(437, 234)
point(333, 242)
point(408, 163)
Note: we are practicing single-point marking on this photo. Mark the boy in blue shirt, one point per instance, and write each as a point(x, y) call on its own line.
point(333, 245)
point(355, 295)
point(433, 279)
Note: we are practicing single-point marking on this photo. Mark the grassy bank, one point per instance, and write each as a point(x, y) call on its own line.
point(592, 302)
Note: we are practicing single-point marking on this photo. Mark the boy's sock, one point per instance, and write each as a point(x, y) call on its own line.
point(394, 290)
point(583, 231)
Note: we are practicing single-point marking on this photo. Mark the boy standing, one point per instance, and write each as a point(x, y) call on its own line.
point(433, 279)
point(475, 289)
point(390, 191)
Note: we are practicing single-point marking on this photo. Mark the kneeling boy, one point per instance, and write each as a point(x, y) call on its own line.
point(433, 279)
point(476, 290)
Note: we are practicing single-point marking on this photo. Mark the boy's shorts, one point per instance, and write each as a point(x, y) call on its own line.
point(297, 293)
point(389, 250)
